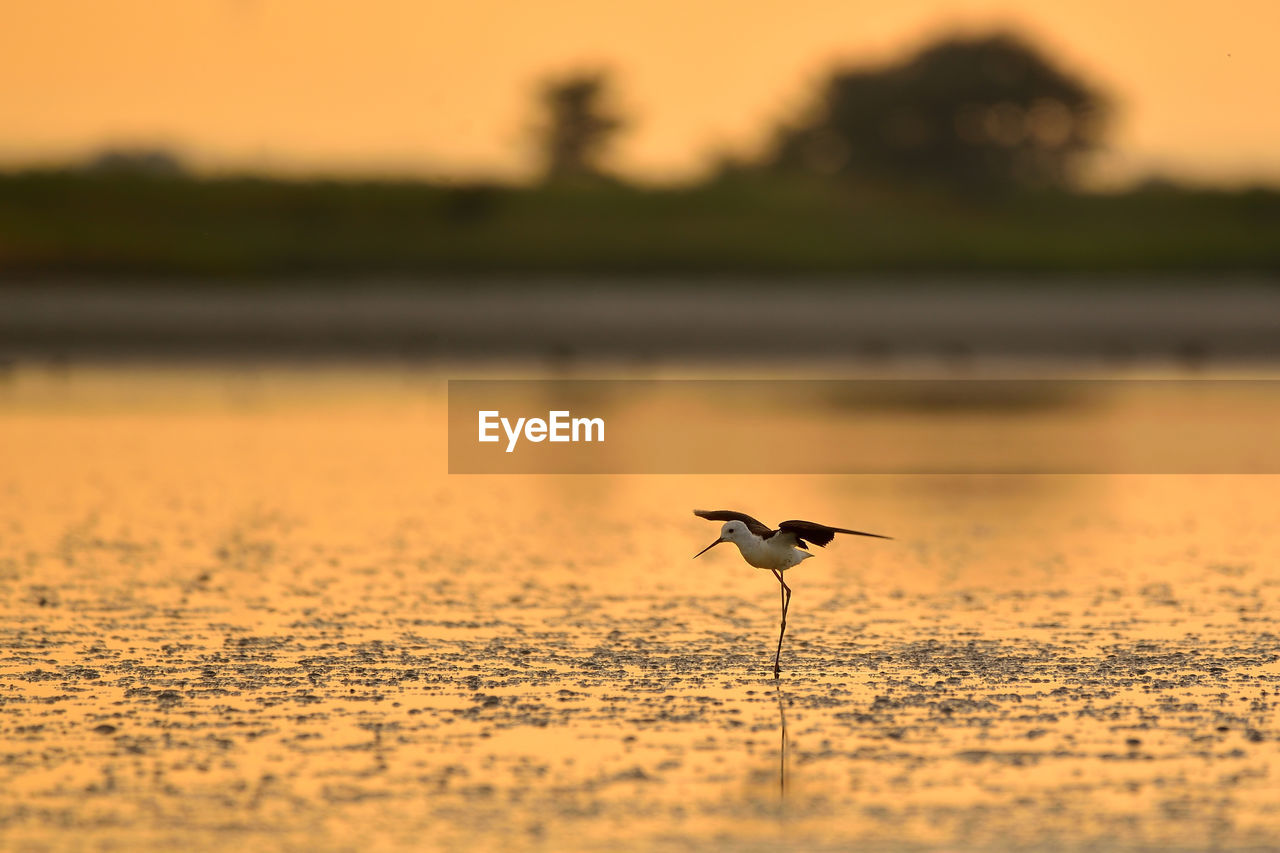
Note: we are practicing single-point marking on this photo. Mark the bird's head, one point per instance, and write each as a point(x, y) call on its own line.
point(732, 531)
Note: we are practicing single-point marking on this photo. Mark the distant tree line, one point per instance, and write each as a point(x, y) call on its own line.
point(977, 115)
point(982, 114)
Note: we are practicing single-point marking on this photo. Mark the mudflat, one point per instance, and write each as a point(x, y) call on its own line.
point(244, 611)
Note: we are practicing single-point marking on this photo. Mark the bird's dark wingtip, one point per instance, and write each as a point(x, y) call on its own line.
point(860, 533)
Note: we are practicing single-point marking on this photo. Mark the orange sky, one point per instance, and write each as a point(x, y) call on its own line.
point(430, 87)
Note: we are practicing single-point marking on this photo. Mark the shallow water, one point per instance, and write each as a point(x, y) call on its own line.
point(244, 610)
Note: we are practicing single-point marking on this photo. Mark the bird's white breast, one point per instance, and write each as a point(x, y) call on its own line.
point(770, 553)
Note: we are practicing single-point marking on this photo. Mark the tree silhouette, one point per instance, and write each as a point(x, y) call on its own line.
point(981, 114)
point(577, 126)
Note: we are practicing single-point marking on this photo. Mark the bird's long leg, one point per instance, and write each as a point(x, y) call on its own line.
point(785, 592)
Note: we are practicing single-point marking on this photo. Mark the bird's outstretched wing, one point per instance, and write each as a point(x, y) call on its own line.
point(757, 527)
point(819, 534)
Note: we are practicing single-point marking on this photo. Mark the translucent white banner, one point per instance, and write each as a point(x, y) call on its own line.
point(864, 426)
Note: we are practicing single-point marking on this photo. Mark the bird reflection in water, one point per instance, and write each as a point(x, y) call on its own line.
point(782, 745)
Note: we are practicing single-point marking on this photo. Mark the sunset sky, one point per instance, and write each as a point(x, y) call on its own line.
point(434, 88)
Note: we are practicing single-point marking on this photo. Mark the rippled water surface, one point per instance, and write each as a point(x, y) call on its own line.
point(252, 611)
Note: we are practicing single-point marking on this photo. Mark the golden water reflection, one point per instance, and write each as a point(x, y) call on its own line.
point(244, 610)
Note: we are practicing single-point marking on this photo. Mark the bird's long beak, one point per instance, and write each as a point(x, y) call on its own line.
point(708, 548)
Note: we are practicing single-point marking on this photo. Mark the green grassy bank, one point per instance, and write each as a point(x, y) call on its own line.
point(78, 223)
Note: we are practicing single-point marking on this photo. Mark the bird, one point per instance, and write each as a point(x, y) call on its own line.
point(774, 550)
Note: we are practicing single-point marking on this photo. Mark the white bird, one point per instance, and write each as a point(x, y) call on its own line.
point(774, 550)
